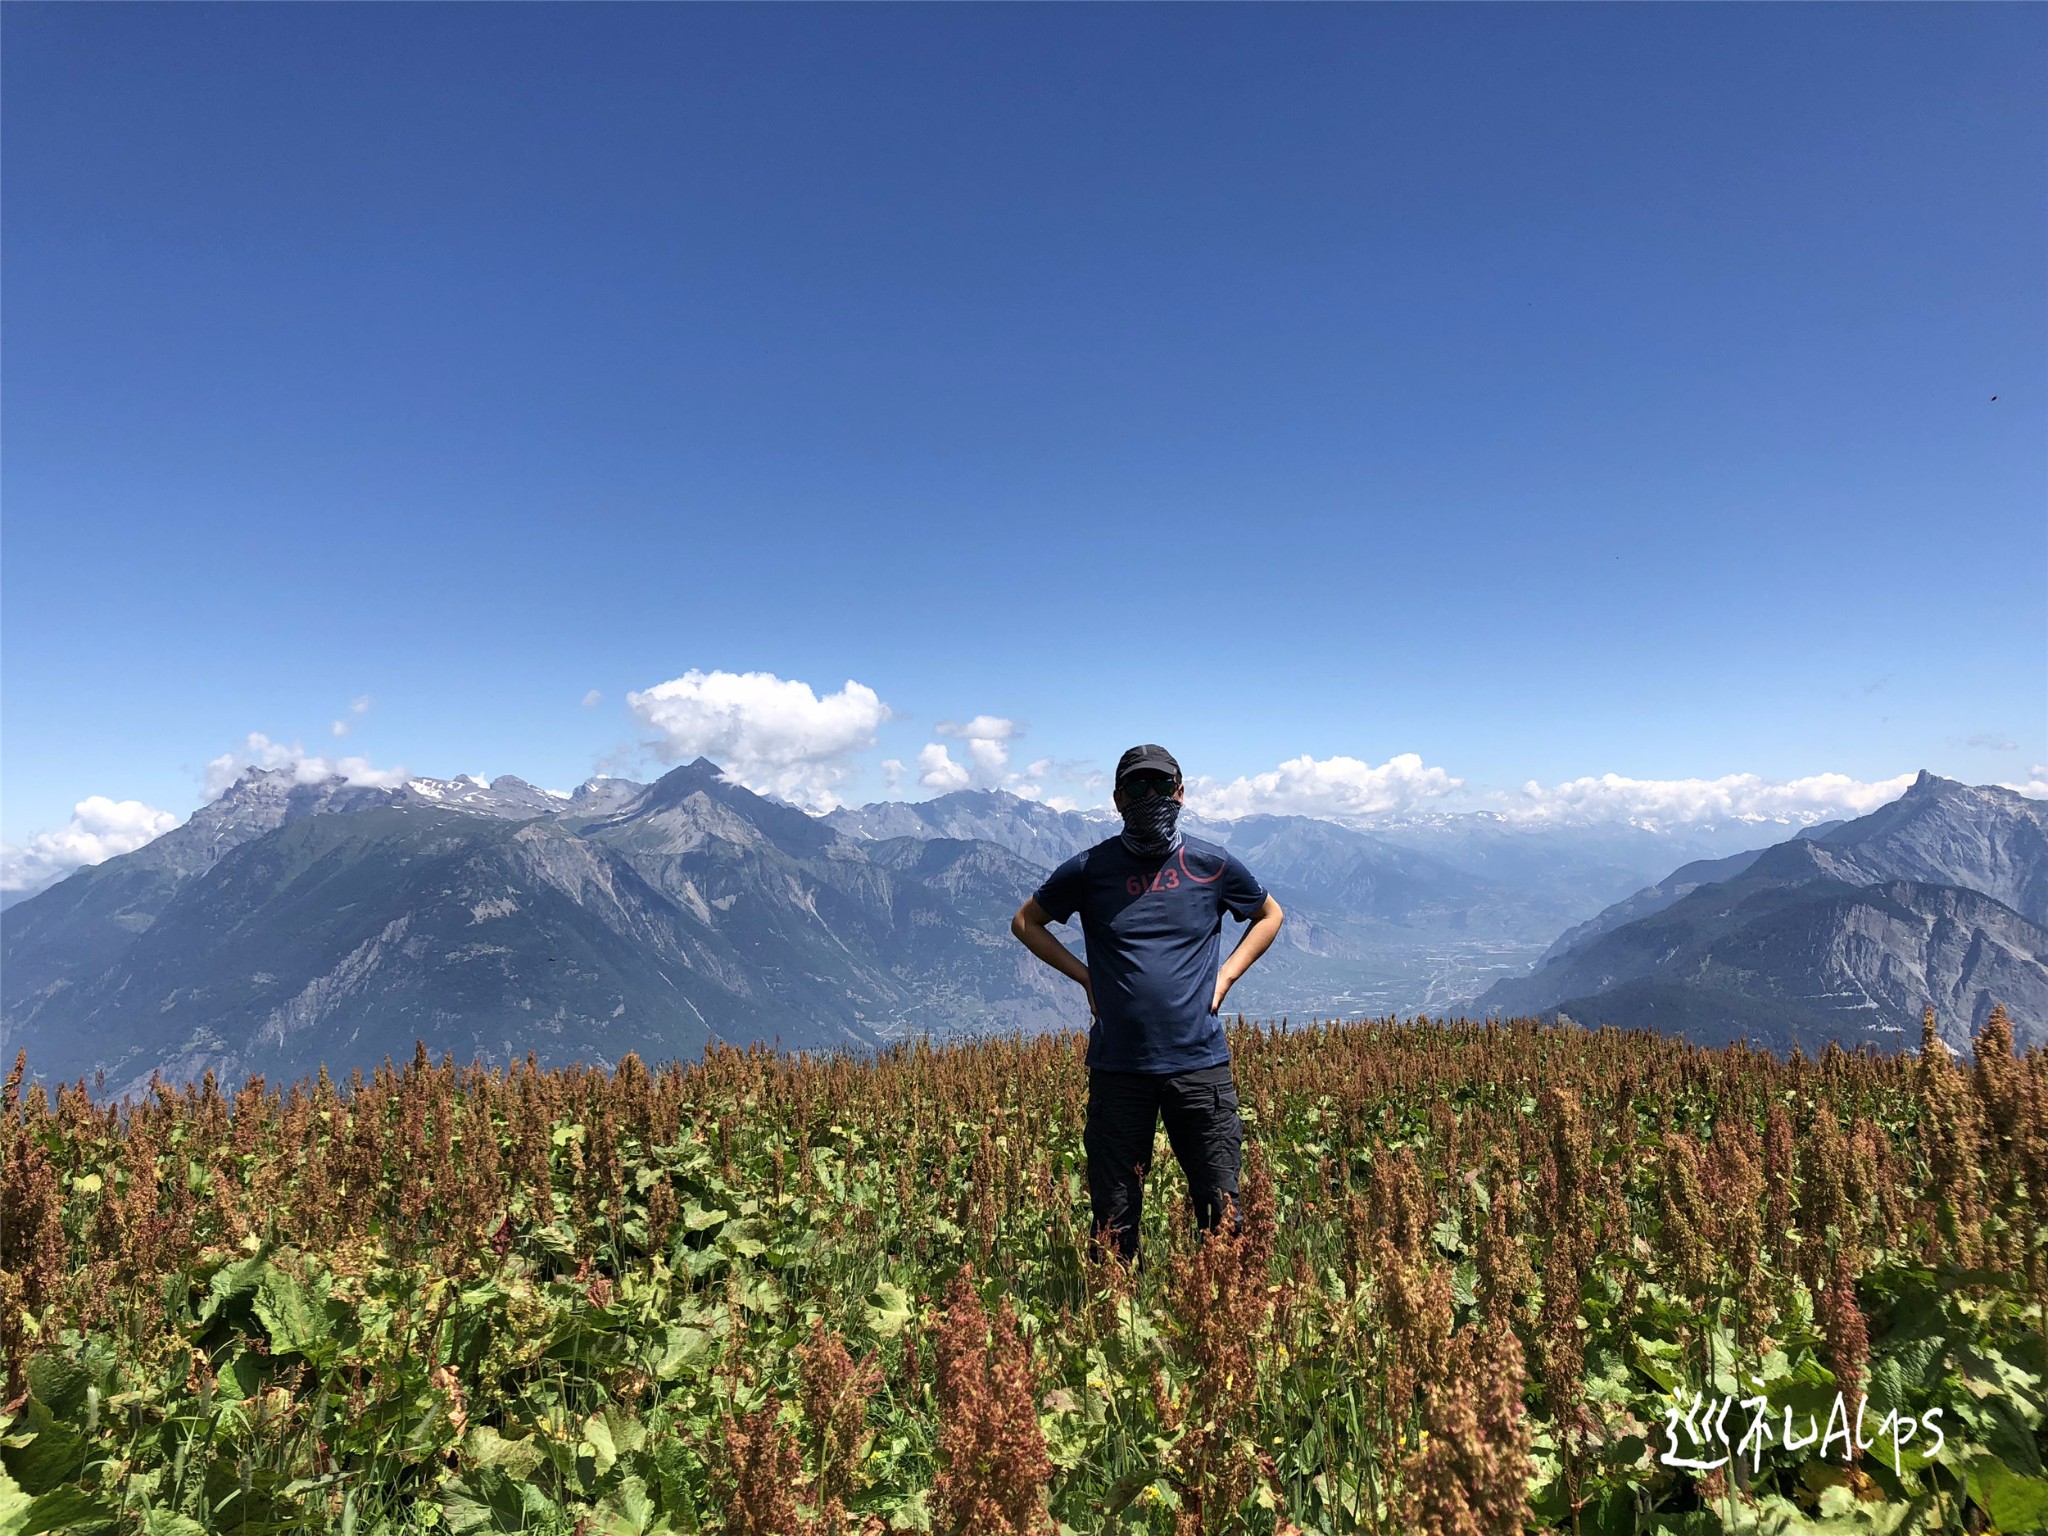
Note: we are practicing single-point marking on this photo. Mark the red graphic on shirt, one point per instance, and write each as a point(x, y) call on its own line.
point(1167, 878)
point(1162, 880)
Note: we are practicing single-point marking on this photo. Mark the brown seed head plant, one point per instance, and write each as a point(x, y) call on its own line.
point(1643, 1170)
point(836, 1393)
point(1949, 1129)
point(1222, 1305)
point(994, 1467)
point(754, 1475)
point(1471, 1476)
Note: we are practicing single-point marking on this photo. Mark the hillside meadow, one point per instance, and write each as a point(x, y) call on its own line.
point(1489, 1278)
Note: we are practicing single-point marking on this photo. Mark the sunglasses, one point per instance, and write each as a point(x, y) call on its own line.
point(1139, 785)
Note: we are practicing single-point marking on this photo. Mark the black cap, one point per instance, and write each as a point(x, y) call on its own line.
point(1150, 758)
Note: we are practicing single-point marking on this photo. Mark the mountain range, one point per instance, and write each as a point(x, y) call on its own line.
point(1845, 933)
point(287, 925)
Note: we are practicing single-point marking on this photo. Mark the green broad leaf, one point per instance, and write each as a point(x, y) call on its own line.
point(1465, 1283)
point(1611, 1513)
point(746, 1238)
point(294, 1317)
point(597, 1444)
point(491, 1501)
point(1608, 1378)
point(687, 1156)
point(562, 1135)
point(628, 1433)
point(1626, 1452)
point(240, 1378)
point(61, 1509)
point(912, 1514)
point(14, 1504)
point(681, 1347)
point(628, 1511)
point(87, 1183)
point(167, 1522)
point(2018, 1503)
point(558, 1238)
point(1448, 1234)
point(232, 1282)
point(2009, 1436)
point(59, 1384)
point(1653, 1359)
point(1726, 1357)
point(1769, 1369)
point(888, 1309)
point(484, 1447)
point(696, 1218)
point(42, 1451)
point(1548, 1499)
point(762, 1294)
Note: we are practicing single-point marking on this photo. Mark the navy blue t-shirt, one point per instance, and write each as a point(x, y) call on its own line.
point(1153, 929)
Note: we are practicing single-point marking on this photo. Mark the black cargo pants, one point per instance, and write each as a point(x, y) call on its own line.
point(1202, 1125)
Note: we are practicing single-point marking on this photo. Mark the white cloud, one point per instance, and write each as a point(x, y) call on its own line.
point(937, 770)
point(985, 761)
point(259, 751)
point(986, 739)
point(592, 699)
point(1335, 788)
point(99, 829)
point(1346, 789)
point(358, 707)
point(2036, 787)
point(892, 771)
point(773, 734)
point(1657, 803)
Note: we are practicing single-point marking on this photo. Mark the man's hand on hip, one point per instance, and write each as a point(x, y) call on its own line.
point(1257, 939)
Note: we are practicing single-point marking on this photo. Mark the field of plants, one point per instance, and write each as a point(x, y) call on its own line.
point(1490, 1278)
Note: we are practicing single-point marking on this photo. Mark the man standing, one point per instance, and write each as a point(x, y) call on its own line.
point(1151, 904)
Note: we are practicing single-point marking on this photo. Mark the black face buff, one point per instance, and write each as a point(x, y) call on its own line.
point(1150, 826)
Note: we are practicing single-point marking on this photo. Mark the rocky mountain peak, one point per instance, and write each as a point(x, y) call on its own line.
point(678, 784)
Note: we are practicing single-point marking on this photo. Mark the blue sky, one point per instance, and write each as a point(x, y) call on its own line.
point(1541, 392)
